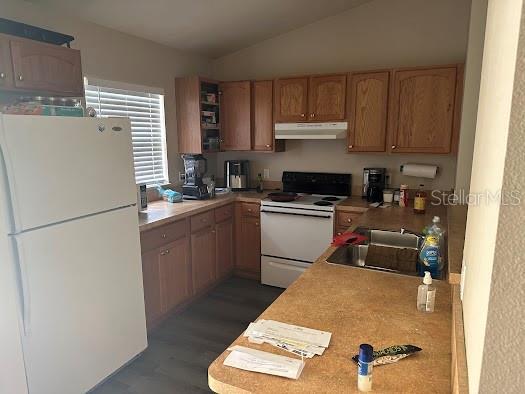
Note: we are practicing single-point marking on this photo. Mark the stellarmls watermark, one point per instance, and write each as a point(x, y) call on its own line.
point(488, 197)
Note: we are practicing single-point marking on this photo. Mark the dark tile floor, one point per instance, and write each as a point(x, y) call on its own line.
point(182, 348)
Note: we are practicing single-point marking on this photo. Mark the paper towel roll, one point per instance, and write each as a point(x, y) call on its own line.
point(420, 170)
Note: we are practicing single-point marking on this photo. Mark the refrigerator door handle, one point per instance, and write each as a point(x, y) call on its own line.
point(24, 286)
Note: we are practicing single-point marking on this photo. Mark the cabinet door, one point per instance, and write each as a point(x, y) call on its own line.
point(422, 110)
point(203, 258)
point(224, 238)
point(175, 274)
point(235, 116)
point(326, 98)
point(151, 282)
point(367, 112)
point(249, 239)
point(46, 67)
point(263, 135)
point(6, 69)
point(290, 100)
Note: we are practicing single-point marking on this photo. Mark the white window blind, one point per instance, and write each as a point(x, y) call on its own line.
point(145, 109)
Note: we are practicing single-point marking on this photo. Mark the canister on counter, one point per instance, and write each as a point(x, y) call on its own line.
point(403, 195)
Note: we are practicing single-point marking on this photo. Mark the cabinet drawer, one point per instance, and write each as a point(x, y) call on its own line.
point(160, 236)
point(202, 220)
point(347, 219)
point(340, 230)
point(250, 209)
point(223, 213)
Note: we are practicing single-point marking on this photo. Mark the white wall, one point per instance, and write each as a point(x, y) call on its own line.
point(480, 252)
point(469, 111)
point(111, 55)
point(378, 34)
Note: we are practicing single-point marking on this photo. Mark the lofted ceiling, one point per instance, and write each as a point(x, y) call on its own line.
point(208, 27)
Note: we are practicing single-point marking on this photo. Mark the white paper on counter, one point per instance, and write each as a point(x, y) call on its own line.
point(301, 341)
point(262, 362)
point(289, 331)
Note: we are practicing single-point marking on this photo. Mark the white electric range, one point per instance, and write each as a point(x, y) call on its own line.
point(294, 234)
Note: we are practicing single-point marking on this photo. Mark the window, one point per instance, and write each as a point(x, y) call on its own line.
point(145, 108)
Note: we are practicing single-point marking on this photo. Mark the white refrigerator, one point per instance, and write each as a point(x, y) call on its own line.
point(70, 252)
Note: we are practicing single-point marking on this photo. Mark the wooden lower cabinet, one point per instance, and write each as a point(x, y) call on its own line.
point(175, 274)
point(151, 281)
point(344, 220)
point(203, 255)
point(224, 247)
point(248, 242)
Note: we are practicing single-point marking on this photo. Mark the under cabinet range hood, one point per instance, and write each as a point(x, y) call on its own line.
point(311, 131)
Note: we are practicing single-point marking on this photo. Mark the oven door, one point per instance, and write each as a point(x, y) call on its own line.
point(295, 234)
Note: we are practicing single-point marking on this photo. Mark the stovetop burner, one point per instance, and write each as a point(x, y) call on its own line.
point(330, 198)
point(323, 203)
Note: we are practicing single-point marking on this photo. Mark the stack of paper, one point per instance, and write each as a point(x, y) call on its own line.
point(257, 361)
point(305, 342)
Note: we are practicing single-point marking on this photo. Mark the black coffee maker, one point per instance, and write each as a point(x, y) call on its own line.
point(374, 182)
point(195, 167)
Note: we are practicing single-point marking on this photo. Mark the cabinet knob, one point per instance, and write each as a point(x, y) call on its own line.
point(2, 75)
point(268, 145)
point(213, 231)
point(257, 224)
point(312, 115)
point(350, 146)
point(303, 115)
point(349, 220)
point(20, 77)
point(163, 236)
point(162, 253)
point(167, 251)
point(393, 147)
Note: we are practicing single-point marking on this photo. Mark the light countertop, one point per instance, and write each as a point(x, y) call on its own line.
point(357, 306)
point(161, 212)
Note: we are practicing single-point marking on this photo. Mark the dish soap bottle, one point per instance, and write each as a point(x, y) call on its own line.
point(420, 200)
point(426, 294)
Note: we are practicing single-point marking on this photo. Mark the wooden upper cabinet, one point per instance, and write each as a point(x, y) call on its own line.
point(291, 99)
point(326, 98)
point(367, 111)
point(187, 103)
point(235, 115)
point(6, 69)
point(44, 67)
point(422, 110)
point(263, 134)
point(175, 274)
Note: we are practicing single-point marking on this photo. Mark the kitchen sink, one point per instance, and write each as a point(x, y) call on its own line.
point(384, 250)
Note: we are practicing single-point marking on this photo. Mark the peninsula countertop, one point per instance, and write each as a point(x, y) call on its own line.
point(357, 306)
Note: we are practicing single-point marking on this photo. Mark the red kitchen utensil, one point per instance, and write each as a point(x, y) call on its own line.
point(350, 238)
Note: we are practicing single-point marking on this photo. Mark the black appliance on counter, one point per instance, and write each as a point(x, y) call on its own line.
point(237, 174)
point(195, 167)
point(374, 182)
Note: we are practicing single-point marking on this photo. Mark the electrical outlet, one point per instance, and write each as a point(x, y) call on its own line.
point(182, 176)
point(266, 173)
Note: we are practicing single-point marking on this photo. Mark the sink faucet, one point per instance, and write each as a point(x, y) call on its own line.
point(402, 231)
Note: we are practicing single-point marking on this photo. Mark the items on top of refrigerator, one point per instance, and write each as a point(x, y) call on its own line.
point(45, 106)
